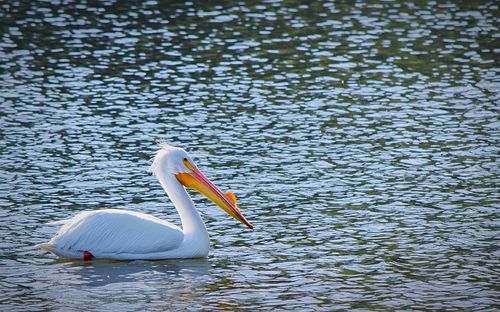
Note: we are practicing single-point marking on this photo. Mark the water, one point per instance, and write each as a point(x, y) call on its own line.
point(362, 141)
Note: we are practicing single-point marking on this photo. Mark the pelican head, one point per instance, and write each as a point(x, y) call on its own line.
point(176, 161)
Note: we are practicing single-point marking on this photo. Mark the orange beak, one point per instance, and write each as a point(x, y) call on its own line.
point(226, 201)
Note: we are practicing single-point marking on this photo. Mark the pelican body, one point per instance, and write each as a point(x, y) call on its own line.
point(128, 235)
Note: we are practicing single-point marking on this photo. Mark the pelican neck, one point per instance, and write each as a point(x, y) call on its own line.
point(190, 218)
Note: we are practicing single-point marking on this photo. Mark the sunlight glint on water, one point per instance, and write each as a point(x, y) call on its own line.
point(362, 142)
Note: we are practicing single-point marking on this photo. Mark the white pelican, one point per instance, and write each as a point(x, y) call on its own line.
point(128, 235)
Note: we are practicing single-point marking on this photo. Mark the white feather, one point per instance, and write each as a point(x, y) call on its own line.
point(58, 222)
point(127, 235)
point(115, 232)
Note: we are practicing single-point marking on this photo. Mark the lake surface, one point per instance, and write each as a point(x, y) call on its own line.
point(362, 141)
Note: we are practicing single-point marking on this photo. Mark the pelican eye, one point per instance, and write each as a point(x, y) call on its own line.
point(187, 163)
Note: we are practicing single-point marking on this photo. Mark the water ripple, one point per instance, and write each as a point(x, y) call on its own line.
point(361, 140)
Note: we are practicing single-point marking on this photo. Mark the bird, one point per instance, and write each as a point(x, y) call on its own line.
point(130, 235)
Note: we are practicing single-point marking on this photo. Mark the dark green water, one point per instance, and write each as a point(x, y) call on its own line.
point(362, 141)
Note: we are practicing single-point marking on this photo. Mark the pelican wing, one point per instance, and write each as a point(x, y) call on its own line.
point(113, 232)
